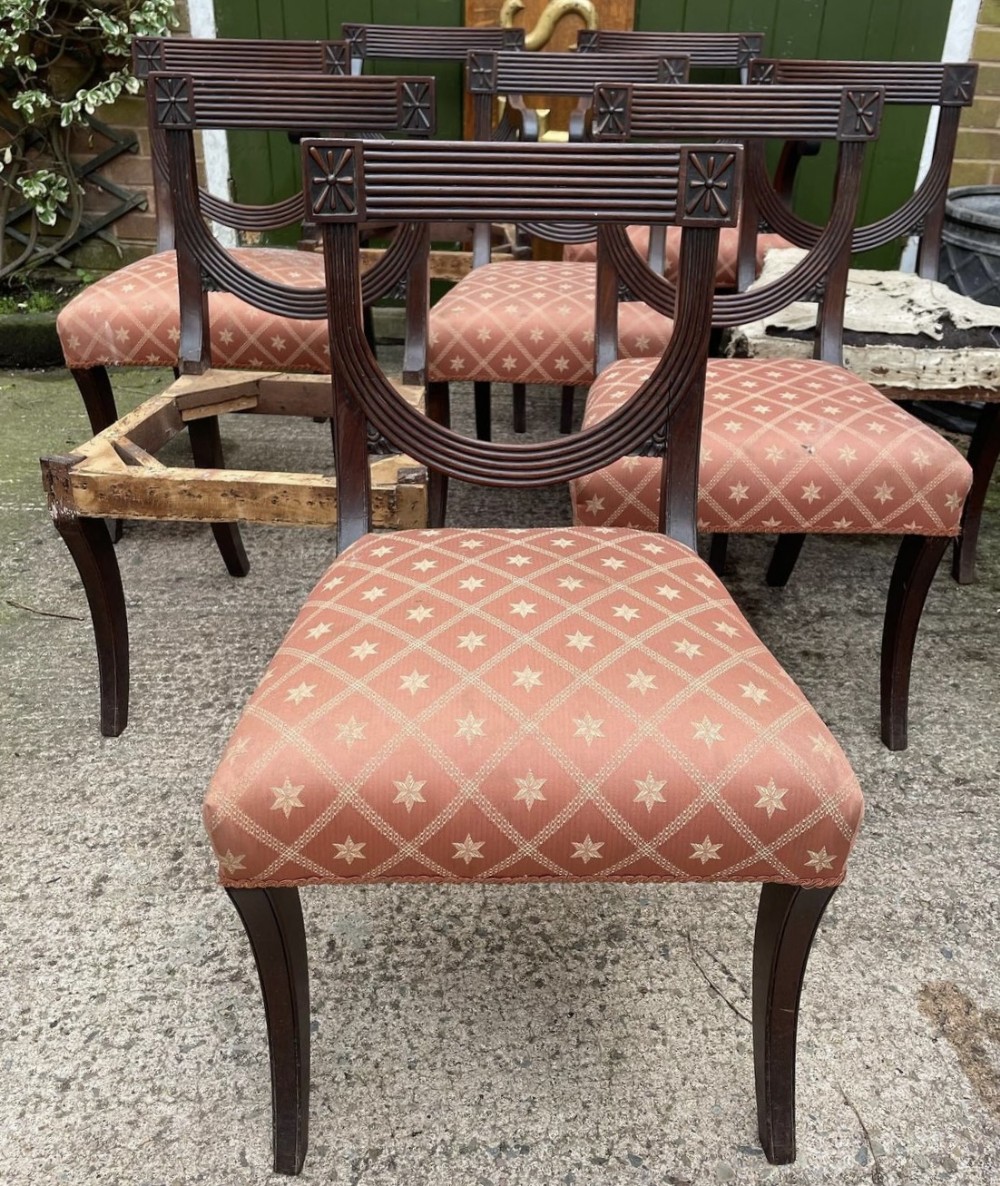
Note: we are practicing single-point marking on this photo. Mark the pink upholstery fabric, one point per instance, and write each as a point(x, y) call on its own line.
point(518, 705)
point(131, 318)
point(531, 322)
point(788, 446)
point(729, 245)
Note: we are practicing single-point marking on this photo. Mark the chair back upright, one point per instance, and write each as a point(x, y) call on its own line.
point(946, 87)
point(706, 50)
point(848, 116)
point(455, 182)
point(180, 105)
point(221, 55)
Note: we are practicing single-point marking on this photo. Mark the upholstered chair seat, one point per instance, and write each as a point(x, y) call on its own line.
point(788, 446)
point(132, 318)
point(726, 265)
point(531, 322)
point(540, 704)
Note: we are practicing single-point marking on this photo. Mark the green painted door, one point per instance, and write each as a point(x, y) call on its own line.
point(265, 168)
point(897, 30)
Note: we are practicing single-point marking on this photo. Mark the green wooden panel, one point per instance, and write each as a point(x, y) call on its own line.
point(868, 29)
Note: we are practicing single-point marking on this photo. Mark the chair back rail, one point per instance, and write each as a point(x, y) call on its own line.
point(849, 116)
point(182, 104)
point(948, 86)
point(296, 103)
point(491, 75)
point(349, 182)
point(445, 43)
point(510, 76)
point(227, 55)
point(207, 55)
point(715, 50)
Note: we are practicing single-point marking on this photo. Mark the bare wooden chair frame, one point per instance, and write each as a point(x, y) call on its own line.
point(348, 182)
point(116, 474)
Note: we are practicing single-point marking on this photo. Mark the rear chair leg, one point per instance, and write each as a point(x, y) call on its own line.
point(787, 919)
point(93, 553)
point(438, 408)
point(984, 450)
point(916, 563)
point(566, 410)
point(272, 918)
point(783, 558)
point(481, 397)
point(717, 551)
point(99, 403)
point(206, 446)
point(98, 398)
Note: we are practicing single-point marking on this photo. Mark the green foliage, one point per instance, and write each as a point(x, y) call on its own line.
point(60, 61)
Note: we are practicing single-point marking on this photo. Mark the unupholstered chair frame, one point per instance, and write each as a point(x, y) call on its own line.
point(348, 182)
point(179, 106)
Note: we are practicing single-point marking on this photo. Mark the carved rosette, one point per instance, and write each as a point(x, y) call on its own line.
point(861, 114)
point(335, 182)
point(416, 113)
point(673, 70)
point(612, 112)
point(377, 444)
point(958, 86)
point(656, 446)
point(148, 56)
point(710, 186)
point(761, 72)
point(512, 39)
point(173, 100)
point(336, 57)
point(482, 72)
point(750, 47)
point(356, 40)
point(586, 41)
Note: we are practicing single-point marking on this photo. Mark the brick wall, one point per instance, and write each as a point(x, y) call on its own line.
point(134, 234)
point(977, 156)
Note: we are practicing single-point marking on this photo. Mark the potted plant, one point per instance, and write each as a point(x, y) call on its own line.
point(60, 62)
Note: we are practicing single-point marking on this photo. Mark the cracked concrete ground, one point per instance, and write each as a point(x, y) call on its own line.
point(483, 1036)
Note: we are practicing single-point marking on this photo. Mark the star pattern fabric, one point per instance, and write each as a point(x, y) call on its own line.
point(726, 263)
point(787, 446)
point(599, 709)
point(532, 322)
point(132, 318)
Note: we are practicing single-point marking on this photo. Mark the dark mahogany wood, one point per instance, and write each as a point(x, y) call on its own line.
point(946, 86)
point(424, 43)
point(916, 563)
point(351, 182)
point(206, 448)
point(711, 50)
point(89, 543)
point(984, 452)
point(98, 398)
point(783, 558)
point(272, 918)
point(787, 920)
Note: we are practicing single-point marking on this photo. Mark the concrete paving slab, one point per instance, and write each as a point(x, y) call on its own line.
point(482, 1036)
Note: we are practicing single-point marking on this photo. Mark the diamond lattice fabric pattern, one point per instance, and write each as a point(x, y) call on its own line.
point(787, 446)
point(518, 705)
point(131, 318)
point(532, 322)
point(728, 259)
